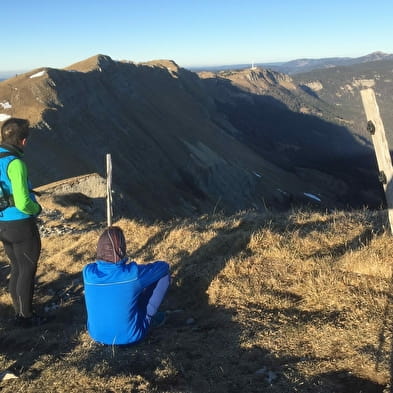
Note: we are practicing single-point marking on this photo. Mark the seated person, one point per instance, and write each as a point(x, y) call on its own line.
point(122, 298)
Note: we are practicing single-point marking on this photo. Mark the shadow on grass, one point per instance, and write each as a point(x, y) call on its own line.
point(385, 336)
point(202, 347)
point(24, 347)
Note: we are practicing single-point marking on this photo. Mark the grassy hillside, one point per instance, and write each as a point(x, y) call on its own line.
point(296, 302)
point(339, 88)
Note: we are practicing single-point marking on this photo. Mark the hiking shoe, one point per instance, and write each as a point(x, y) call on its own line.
point(33, 321)
point(158, 319)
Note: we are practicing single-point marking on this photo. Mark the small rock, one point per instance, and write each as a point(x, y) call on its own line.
point(5, 375)
point(261, 371)
point(269, 375)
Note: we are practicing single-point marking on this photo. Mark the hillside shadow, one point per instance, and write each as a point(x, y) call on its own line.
point(384, 339)
point(228, 336)
point(270, 126)
point(198, 338)
point(386, 332)
point(202, 347)
point(345, 382)
point(375, 226)
point(24, 347)
point(309, 91)
point(207, 347)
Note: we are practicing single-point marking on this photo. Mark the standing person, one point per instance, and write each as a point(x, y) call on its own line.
point(122, 298)
point(18, 229)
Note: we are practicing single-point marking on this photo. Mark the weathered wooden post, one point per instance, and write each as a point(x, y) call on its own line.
point(109, 209)
point(377, 131)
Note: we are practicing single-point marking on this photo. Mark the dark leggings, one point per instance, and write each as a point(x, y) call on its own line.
point(22, 244)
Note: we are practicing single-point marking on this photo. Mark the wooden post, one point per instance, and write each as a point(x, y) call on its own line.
point(377, 130)
point(109, 210)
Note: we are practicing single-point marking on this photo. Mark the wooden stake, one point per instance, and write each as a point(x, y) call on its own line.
point(377, 130)
point(109, 210)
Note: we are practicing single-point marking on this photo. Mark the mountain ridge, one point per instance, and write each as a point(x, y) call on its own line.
point(184, 143)
point(282, 66)
point(302, 64)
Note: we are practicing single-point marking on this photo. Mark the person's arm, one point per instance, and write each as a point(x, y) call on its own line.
point(152, 272)
point(17, 172)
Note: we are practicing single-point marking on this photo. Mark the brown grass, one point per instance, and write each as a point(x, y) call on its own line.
point(296, 302)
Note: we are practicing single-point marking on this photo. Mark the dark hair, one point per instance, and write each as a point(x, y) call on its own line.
point(14, 130)
point(111, 245)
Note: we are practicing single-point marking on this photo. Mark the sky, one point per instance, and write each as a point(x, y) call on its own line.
point(58, 33)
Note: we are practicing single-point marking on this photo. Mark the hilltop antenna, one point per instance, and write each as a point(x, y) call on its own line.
point(109, 209)
point(253, 66)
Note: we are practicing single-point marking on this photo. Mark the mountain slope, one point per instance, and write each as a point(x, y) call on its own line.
point(339, 87)
point(286, 122)
point(183, 143)
point(274, 303)
point(171, 152)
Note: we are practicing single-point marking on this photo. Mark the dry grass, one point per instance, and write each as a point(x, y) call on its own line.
point(297, 302)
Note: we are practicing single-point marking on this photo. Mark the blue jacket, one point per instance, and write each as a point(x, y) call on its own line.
point(11, 213)
point(112, 296)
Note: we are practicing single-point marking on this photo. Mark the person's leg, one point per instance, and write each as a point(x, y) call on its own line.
point(6, 233)
point(145, 296)
point(157, 296)
point(13, 275)
point(23, 246)
point(150, 300)
point(27, 254)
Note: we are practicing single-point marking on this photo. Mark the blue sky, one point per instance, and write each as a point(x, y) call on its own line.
point(58, 33)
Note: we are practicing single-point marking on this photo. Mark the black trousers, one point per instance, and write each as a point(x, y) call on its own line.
point(22, 244)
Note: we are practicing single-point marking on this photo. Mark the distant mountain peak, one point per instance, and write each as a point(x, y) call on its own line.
point(374, 56)
point(170, 64)
point(306, 65)
point(97, 62)
point(378, 53)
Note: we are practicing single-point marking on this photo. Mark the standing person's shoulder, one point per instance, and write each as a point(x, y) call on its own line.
point(7, 150)
point(17, 165)
point(15, 162)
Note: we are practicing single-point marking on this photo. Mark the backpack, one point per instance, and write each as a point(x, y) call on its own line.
point(6, 200)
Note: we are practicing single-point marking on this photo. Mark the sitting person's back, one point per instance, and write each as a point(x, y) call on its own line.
point(121, 297)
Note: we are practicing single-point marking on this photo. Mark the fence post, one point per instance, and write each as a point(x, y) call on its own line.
point(381, 147)
point(109, 209)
